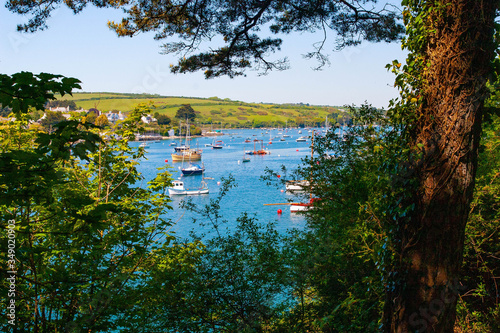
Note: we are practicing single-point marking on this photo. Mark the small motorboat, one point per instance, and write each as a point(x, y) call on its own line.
point(179, 189)
point(193, 169)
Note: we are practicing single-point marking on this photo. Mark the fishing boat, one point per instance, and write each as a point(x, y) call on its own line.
point(193, 169)
point(179, 189)
point(261, 151)
point(187, 155)
point(181, 148)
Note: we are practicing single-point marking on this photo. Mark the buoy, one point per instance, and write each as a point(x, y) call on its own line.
point(279, 176)
point(297, 150)
point(280, 211)
point(218, 183)
point(166, 161)
point(282, 191)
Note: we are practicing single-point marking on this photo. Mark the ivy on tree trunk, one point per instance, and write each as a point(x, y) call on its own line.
point(451, 45)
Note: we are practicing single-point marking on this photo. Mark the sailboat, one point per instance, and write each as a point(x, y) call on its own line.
point(261, 151)
point(185, 152)
point(301, 206)
point(217, 144)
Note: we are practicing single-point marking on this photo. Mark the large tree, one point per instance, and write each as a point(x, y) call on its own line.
point(443, 88)
point(451, 47)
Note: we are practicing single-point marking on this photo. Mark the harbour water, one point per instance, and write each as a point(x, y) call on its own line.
point(250, 193)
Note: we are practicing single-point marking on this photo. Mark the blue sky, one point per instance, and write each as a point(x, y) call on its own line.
point(82, 46)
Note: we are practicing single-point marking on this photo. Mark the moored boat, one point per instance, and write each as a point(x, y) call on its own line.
point(193, 169)
point(187, 155)
point(179, 189)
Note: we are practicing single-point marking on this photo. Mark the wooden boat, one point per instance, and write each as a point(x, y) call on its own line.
point(187, 155)
point(193, 169)
point(179, 189)
point(261, 151)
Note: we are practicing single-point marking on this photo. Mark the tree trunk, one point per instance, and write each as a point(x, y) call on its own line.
point(459, 50)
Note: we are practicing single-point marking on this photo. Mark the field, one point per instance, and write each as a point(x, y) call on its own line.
point(214, 110)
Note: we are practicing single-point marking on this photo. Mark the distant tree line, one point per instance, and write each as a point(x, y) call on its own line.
point(61, 103)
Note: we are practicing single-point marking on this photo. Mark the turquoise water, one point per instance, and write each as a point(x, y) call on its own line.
point(251, 193)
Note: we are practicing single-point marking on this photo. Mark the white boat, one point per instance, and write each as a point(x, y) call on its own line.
point(144, 145)
point(302, 206)
point(299, 207)
point(301, 139)
point(179, 189)
point(296, 185)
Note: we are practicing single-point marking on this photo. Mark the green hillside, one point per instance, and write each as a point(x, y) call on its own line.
point(214, 110)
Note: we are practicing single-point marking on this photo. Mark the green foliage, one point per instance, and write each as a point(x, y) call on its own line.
point(339, 262)
point(62, 103)
point(478, 308)
point(163, 119)
point(51, 119)
point(224, 281)
point(186, 112)
point(82, 226)
point(25, 90)
point(102, 121)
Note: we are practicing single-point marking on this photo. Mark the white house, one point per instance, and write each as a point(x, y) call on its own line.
point(148, 119)
point(113, 117)
point(60, 109)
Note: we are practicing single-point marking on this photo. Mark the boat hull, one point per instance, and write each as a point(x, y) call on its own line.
point(299, 207)
point(186, 156)
point(172, 191)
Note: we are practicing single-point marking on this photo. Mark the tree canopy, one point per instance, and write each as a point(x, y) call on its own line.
point(186, 112)
point(413, 232)
point(239, 25)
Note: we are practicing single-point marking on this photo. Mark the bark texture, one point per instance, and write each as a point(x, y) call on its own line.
point(459, 50)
